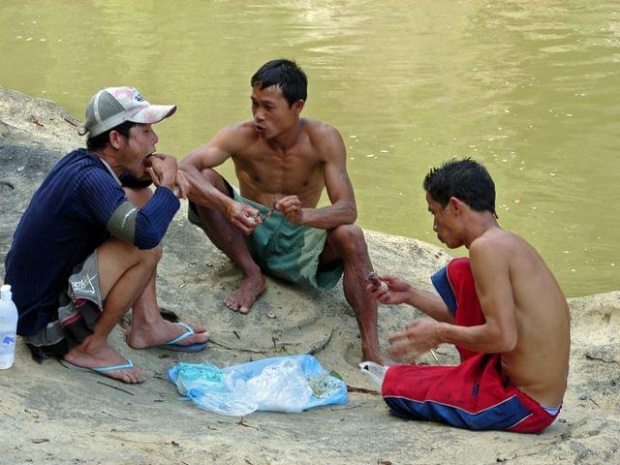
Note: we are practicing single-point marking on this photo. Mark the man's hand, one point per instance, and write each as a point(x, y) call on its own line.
point(396, 292)
point(183, 184)
point(243, 217)
point(290, 207)
point(162, 169)
point(418, 338)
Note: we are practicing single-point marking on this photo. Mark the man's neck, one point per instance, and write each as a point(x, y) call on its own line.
point(110, 159)
point(287, 140)
point(478, 224)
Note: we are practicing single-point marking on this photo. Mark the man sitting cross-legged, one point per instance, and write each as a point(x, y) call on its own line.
point(502, 308)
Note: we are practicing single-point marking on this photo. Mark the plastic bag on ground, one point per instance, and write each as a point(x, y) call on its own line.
point(278, 384)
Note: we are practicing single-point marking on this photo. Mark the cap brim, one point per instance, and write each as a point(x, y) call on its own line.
point(153, 114)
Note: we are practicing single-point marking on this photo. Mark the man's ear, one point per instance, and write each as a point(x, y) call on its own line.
point(457, 205)
point(115, 139)
point(299, 105)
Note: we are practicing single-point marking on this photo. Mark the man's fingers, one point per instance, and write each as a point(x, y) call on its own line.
point(400, 351)
point(246, 222)
point(153, 176)
point(244, 229)
point(399, 336)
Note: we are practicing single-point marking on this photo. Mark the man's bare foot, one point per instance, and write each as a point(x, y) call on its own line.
point(101, 363)
point(244, 297)
point(377, 357)
point(162, 332)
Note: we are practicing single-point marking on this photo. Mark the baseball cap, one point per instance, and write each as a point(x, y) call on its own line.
point(115, 105)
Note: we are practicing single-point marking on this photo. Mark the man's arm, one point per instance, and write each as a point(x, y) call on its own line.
point(106, 203)
point(210, 155)
point(342, 210)
point(397, 291)
point(490, 267)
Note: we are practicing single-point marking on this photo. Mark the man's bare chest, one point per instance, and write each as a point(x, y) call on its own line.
point(288, 174)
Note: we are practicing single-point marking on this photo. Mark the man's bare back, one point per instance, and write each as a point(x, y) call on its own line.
point(540, 309)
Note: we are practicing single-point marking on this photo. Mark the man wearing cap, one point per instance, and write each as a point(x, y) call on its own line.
point(87, 247)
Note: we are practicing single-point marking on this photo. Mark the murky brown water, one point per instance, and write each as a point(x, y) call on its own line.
point(530, 88)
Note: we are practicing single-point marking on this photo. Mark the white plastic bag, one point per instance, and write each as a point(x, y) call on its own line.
point(280, 384)
point(282, 387)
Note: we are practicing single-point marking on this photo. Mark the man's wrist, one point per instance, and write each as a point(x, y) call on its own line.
point(169, 185)
point(412, 299)
point(229, 206)
point(304, 215)
point(438, 334)
point(170, 188)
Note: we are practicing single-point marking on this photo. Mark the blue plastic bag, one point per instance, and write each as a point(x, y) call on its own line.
point(278, 384)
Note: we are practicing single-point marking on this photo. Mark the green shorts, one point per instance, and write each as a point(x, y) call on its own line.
point(286, 250)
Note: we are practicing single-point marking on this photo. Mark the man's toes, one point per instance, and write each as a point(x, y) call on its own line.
point(130, 377)
point(232, 306)
point(199, 329)
point(137, 377)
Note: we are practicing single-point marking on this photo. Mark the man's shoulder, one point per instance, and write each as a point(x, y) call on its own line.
point(79, 158)
point(73, 164)
point(237, 137)
point(84, 169)
point(318, 128)
point(499, 244)
point(243, 129)
point(323, 137)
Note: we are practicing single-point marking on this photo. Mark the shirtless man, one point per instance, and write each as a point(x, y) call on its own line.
point(501, 307)
point(283, 163)
point(86, 249)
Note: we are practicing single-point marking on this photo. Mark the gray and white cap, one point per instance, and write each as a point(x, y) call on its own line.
point(115, 105)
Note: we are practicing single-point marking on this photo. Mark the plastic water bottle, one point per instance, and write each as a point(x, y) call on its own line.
point(8, 327)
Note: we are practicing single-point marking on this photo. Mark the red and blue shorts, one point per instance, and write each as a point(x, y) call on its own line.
point(473, 395)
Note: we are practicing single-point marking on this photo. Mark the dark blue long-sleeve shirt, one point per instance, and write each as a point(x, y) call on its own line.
point(65, 222)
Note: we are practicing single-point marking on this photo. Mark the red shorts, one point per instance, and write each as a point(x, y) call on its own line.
point(473, 395)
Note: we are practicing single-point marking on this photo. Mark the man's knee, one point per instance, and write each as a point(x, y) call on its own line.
point(216, 180)
point(115, 258)
point(348, 238)
point(152, 255)
point(127, 255)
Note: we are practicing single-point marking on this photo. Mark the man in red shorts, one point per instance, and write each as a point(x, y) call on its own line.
point(501, 307)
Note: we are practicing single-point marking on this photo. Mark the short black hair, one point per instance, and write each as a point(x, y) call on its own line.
point(465, 179)
point(100, 141)
point(286, 75)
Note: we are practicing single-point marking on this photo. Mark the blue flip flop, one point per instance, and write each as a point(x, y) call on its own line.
point(102, 370)
point(174, 343)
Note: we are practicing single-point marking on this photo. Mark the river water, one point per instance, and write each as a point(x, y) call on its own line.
point(529, 88)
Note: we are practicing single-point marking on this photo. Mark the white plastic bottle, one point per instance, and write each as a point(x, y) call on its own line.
point(8, 327)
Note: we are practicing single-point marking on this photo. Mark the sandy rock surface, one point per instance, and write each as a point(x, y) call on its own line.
point(50, 415)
